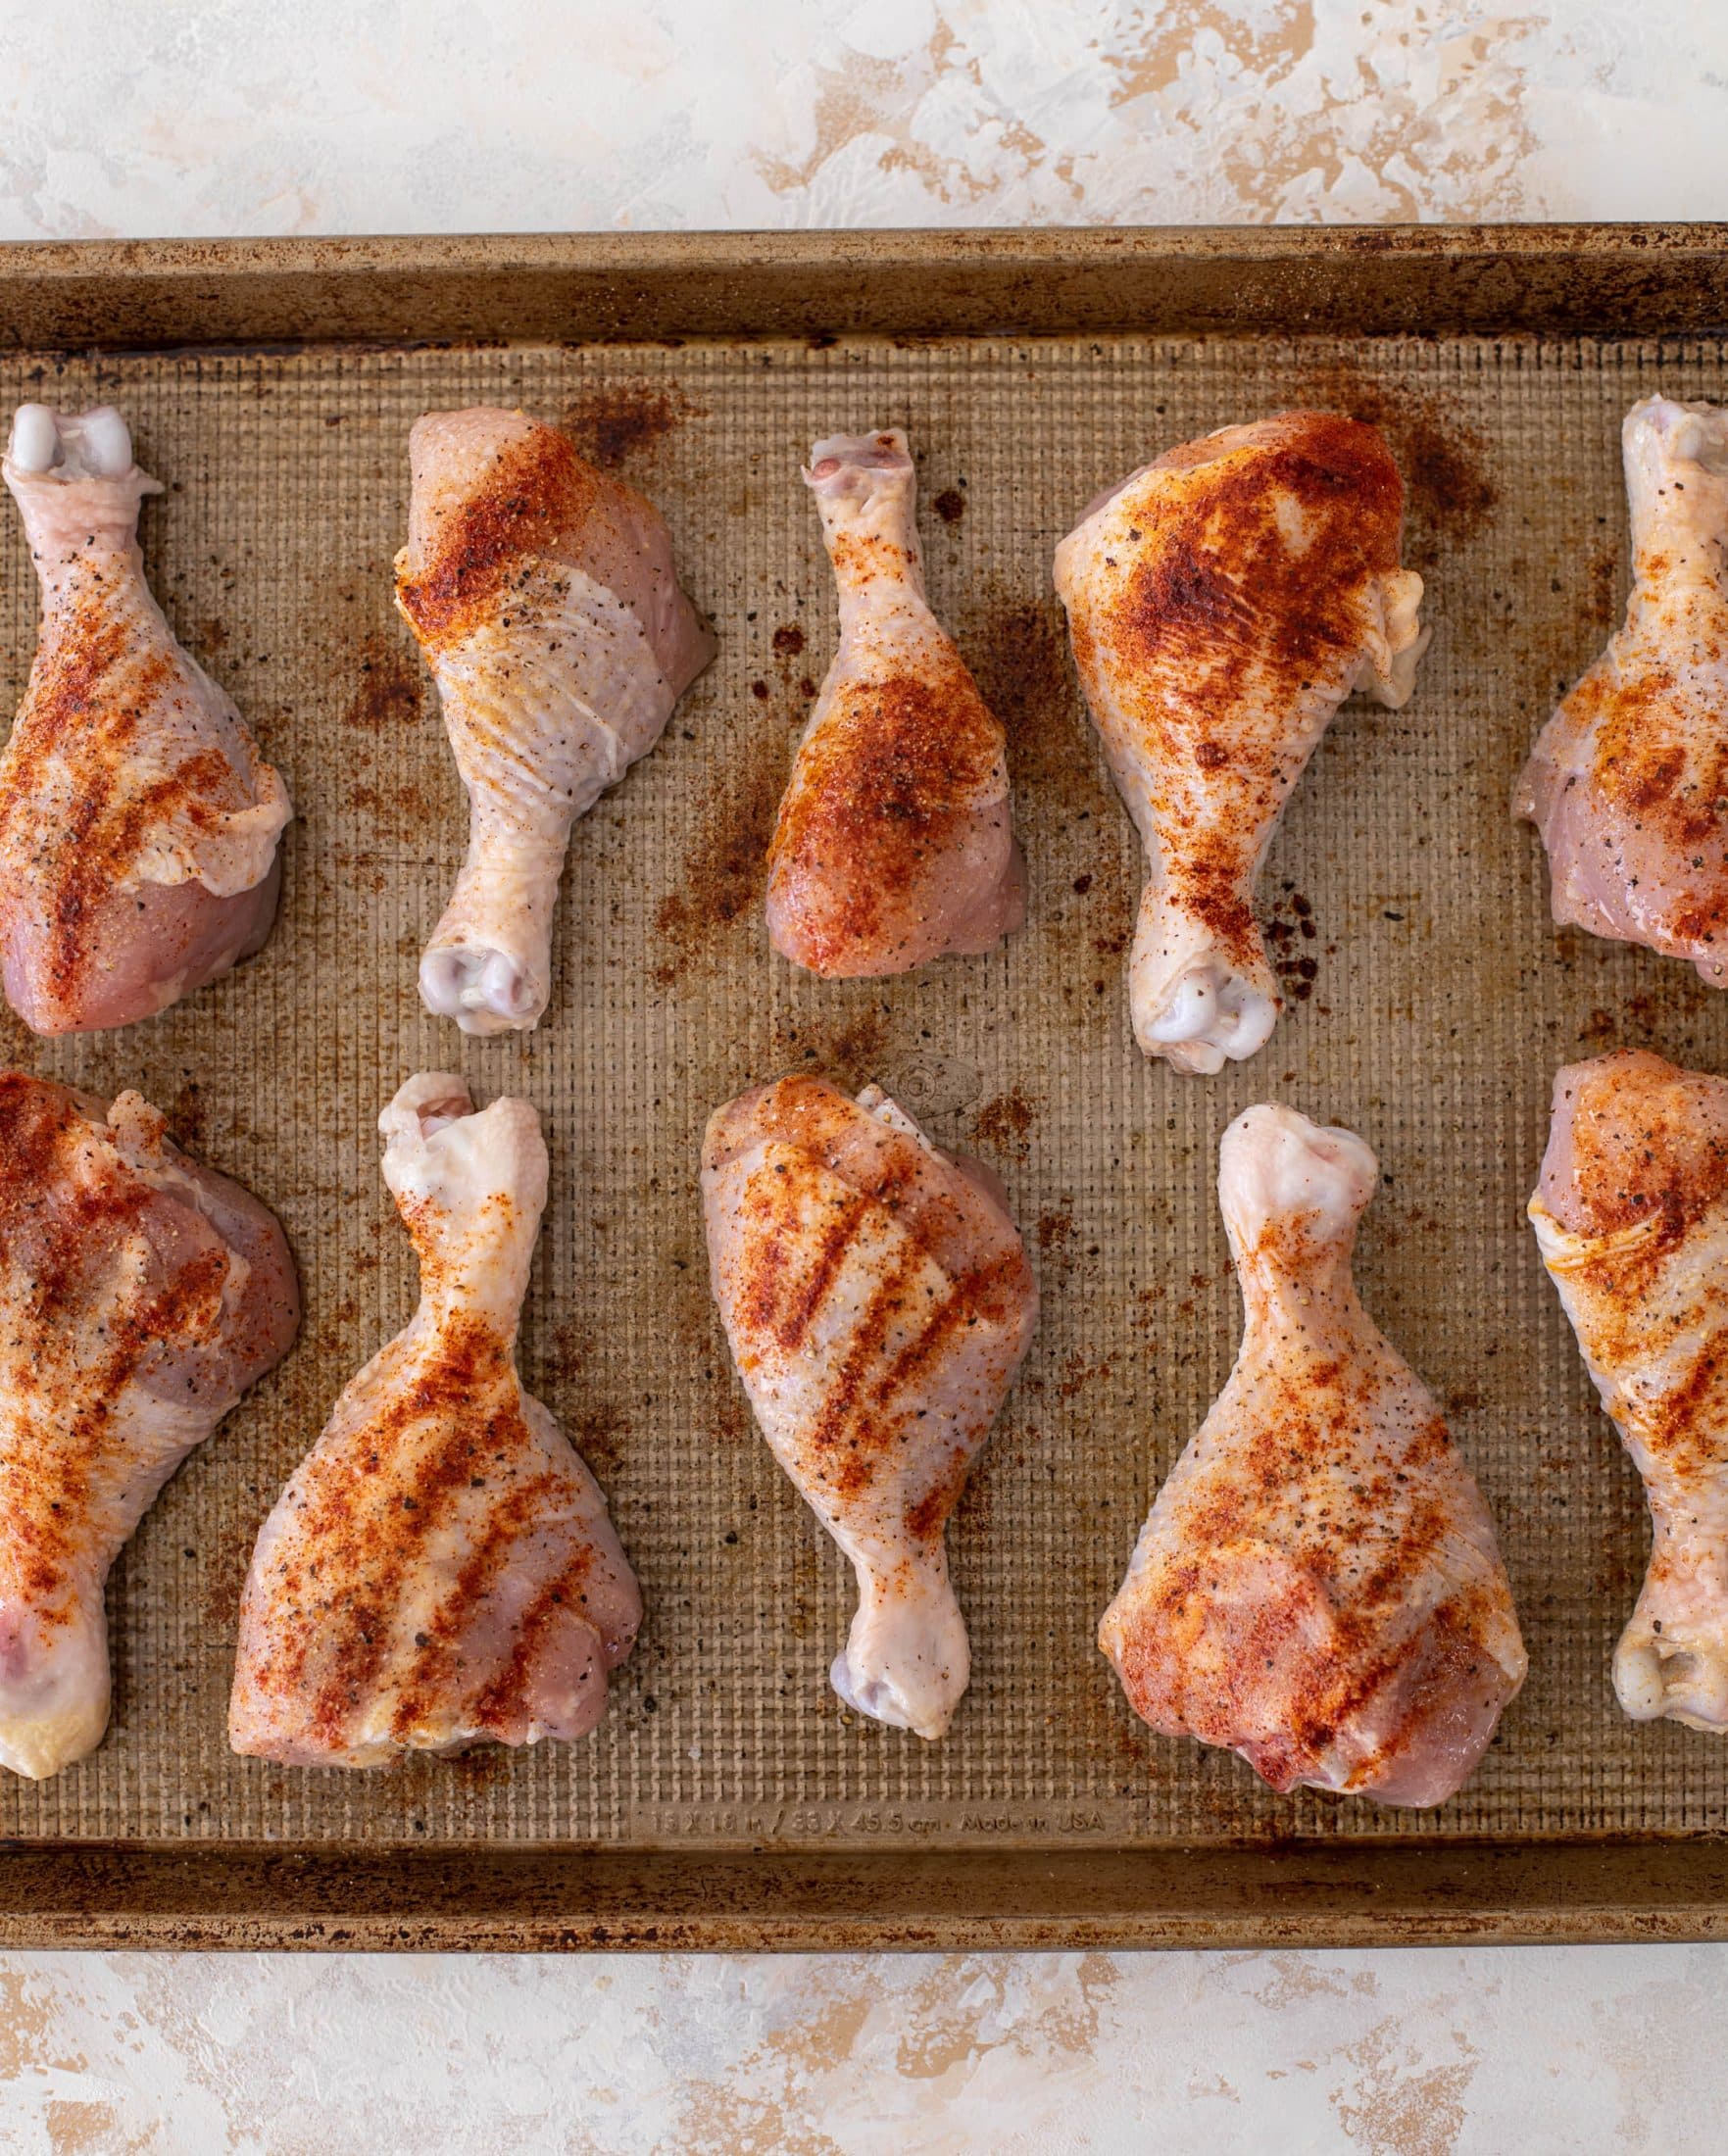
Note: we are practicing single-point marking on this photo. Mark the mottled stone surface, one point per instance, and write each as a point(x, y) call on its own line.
point(1540, 2050)
point(258, 116)
point(303, 116)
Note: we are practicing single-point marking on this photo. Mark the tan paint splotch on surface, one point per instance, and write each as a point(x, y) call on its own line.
point(26, 2025)
point(1399, 2105)
point(1326, 110)
point(963, 2009)
point(1295, 1980)
point(78, 2128)
point(1237, 110)
point(890, 108)
point(932, 2060)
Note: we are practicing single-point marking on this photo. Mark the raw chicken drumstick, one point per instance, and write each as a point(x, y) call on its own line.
point(140, 1294)
point(1628, 781)
point(441, 1569)
point(879, 1303)
point(1223, 603)
point(895, 841)
point(1632, 1218)
point(1317, 1585)
point(544, 598)
point(138, 823)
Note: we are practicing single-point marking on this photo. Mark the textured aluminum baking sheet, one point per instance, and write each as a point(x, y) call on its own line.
point(1441, 1000)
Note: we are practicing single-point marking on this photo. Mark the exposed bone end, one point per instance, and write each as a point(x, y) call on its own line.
point(40, 1743)
point(1203, 1016)
point(1665, 1671)
point(483, 989)
point(1388, 669)
point(438, 1147)
point(858, 463)
point(906, 1661)
point(89, 445)
point(1275, 1164)
point(1196, 998)
point(426, 1104)
point(1666, 432)
point(1676, 463)
point(35, 439)
point(866, 489)
point(54, 1689)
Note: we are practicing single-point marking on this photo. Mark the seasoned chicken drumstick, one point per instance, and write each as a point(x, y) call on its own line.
point(441, 1569)
point(895, 841)
point(140, 1294)
point(1317, 1585)
point(545, 601)
point(1632, 1216)
point(1223, 602)
point(1628, 781)
point(138, 823)
point(879, 1303)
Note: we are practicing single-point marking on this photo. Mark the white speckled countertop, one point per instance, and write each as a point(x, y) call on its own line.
point(304, 116)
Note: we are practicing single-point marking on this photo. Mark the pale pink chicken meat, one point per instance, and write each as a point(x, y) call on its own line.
point(1317, 1585)
point(138, 823)
point(1222, 602)
point(140, 1294)
point(895, 840)
point(879, 1303)
point(1628, 781)
point(545, 602)
point(1631, 1215)
point(440, 1570)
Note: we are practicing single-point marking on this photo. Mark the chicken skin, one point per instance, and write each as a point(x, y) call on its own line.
point(141, 1294)
point(878, 1302)
point(1223, 603)
point(441, 1569)
point(544, 599)
point(1631, 1215)
point(1317, 1586)
point(895, 841)
point(1628, 781)
point(138, 823)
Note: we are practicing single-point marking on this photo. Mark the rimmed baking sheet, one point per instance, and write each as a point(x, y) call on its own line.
point(1432, 1001)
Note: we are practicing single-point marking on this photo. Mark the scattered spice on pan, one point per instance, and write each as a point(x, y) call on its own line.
point(1444, 460)
point(1006, 1123)
point(613, 424)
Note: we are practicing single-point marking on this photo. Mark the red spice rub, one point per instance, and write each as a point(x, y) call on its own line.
point(888, 786)
point(538, 499)
point(114, 1292)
